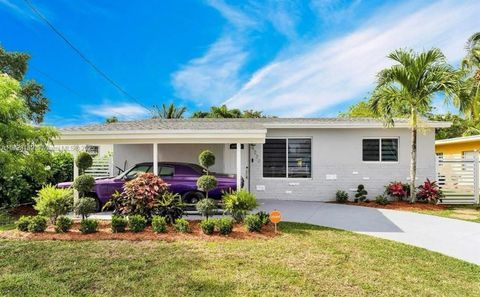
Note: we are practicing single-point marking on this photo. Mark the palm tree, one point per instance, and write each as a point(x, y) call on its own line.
point(224, 112)
point(469, 102)
point(409, 85)
point(170, 112)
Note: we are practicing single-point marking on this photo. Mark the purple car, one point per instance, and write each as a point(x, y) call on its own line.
point(181, 177)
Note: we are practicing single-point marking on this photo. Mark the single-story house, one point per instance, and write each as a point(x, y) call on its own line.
point(458, 147)
point(279, 158)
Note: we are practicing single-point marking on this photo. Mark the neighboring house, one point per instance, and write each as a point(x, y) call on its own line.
point(279, 158)
point(458, 147)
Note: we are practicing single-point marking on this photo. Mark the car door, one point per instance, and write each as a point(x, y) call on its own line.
point(167, 173)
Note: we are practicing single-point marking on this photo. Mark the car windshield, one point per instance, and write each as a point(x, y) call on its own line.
point(137, 169)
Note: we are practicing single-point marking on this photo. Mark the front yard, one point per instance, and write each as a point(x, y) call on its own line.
point(304, 261)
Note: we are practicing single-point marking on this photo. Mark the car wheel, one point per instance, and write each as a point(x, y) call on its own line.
point(193, 197)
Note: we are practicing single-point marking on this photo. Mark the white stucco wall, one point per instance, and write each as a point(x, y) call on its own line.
point(334, 152)
point(339, 152)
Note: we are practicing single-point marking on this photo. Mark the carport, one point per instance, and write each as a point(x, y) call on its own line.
point(174, 134)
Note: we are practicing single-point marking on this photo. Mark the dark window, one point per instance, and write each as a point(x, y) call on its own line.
point(299, 158)
point(166, 171)
point(275, 158)
point(384, 149)
point(139, 169)
point(390, 150)
point(371, 150)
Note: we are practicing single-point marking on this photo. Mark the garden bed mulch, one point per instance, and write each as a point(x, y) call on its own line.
point(400, 205)
point(105, 233)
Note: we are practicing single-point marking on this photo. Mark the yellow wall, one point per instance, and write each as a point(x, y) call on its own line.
point(457, 148)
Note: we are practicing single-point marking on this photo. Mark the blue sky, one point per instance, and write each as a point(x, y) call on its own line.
point(286, 58)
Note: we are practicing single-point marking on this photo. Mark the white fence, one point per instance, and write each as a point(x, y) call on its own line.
point(459, 179)
point(102, 167)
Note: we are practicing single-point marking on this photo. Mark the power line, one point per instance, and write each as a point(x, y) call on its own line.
point(88, 61)
point(66, 87)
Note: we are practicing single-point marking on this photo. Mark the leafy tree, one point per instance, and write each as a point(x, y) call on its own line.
point(23, 155)
point(223, 112)
point(15, 64)
point(469, 97)
point(411, 83)
point(112, 119)
point(168, 112)
point(460, 126)
point(360, 110)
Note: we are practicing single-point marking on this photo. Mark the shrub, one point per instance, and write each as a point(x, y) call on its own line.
point(182, 225)
point(37, 224)
point(88, 226)
point(361, 193)
point(264, 217)
point(140, 196)
point(5, 218)
point(119, 223)
point(397, 190)
point(23, 222)
point(83, 161)
point(382, 200)
point(169, 205)
point(208, 226)
point(239, 203)
point(253, 223)
point(84, 184)
point(137, 223)
point(341, 196)
point(224, 225)
point(207, 183)
point(63, 224)
point(159, 224)
point(53, 202)
point(429, 192)
point(206, 159)
point(206, 207)
point(85, 206)
point(61, 168)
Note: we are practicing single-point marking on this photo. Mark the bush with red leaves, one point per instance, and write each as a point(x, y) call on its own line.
point(139, 195)
point(397, 190)
point(429, 192)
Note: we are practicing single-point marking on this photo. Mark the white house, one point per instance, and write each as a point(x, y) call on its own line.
point(279, 158)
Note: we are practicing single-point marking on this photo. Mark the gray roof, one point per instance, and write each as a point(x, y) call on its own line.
point(231, 124)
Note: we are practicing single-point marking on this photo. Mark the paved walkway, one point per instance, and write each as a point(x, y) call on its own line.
point(455, 238)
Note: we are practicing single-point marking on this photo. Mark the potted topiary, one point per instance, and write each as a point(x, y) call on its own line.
point(83, 162)
point(206, 182)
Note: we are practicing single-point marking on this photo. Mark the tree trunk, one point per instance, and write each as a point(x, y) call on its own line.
point(413, 163)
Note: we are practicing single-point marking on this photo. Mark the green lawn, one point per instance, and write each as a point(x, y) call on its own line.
point(304, 261)
point(461, 212)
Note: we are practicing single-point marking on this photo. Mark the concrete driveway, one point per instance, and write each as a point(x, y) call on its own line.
point(455, 238)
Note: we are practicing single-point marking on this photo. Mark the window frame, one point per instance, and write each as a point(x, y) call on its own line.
point(286, 158)
point(380, 149)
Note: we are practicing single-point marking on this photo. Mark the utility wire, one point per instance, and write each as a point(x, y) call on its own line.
point(88, 61)
point(66, 87)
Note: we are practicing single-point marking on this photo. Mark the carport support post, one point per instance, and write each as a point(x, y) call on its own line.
point(239, 166)
point(155, 158)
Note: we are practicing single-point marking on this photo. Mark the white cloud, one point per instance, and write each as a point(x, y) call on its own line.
point(328, 73)
point(215, 76)
point(234, 16)
point(123, 111)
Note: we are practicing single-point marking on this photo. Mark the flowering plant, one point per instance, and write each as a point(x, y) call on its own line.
point(397, 190)
point(429, 192)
